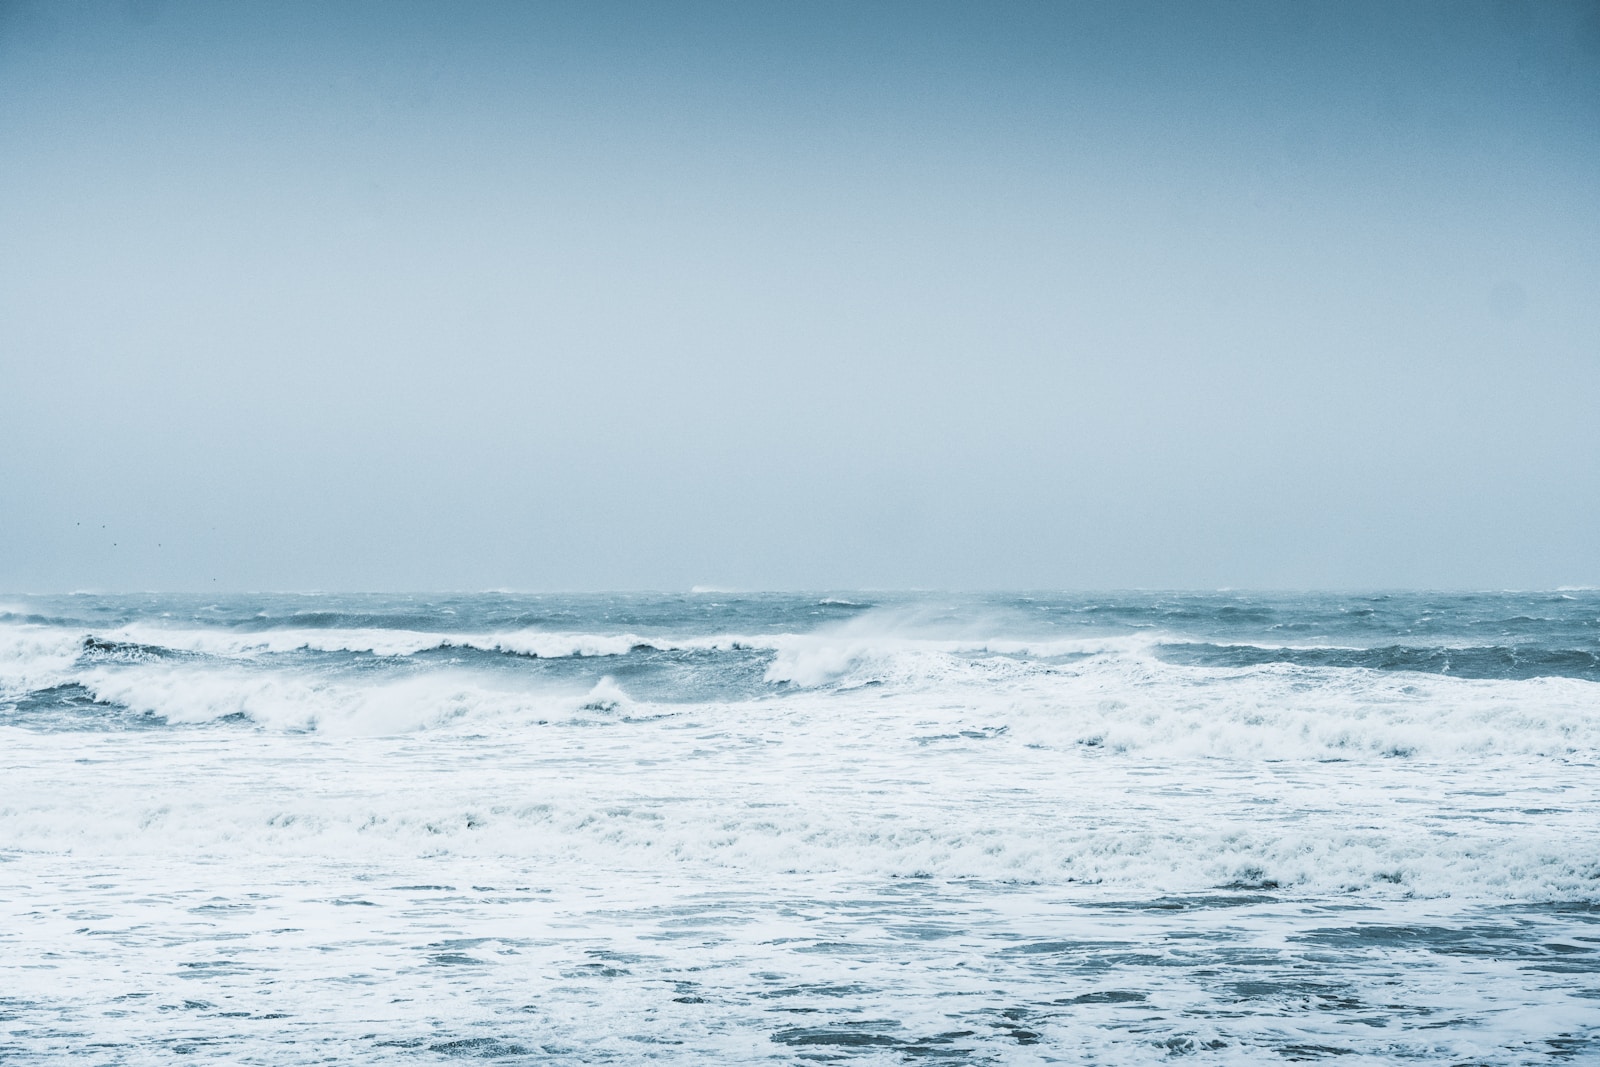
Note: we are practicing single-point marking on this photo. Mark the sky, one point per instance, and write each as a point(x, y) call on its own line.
point(591, 296)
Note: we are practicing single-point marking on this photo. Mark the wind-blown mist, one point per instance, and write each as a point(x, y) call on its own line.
point(589, 296)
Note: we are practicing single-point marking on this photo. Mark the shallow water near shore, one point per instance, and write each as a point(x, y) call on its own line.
point(1115, 829)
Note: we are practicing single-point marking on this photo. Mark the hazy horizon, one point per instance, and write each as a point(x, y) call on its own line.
point(602, 297)
point(1264, 592)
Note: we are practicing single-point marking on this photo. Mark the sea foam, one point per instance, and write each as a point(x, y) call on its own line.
point(1229, 828)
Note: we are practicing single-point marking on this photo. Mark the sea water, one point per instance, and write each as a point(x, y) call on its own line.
point(717, 828)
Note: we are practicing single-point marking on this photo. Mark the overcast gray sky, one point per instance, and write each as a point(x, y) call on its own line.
point(602, 296)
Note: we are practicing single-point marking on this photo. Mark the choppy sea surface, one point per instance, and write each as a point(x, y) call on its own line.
point(727, 829)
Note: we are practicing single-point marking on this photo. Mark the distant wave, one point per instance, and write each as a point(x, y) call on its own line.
point(812, 649)
point(1357, 679)
point(1470, 661)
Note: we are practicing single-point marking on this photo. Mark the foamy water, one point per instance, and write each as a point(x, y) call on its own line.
point(719, 828)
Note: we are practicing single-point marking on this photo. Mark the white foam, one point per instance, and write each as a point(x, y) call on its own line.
point(35, 657)
point(852, 791)
point(549, 644)
point(283, 701)
point(892, 781)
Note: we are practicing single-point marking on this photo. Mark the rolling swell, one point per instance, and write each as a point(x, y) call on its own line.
point(1134, 673)
point(1480, 662)
point(727, 657)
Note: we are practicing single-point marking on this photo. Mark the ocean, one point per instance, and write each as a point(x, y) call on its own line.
point(720, 828)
